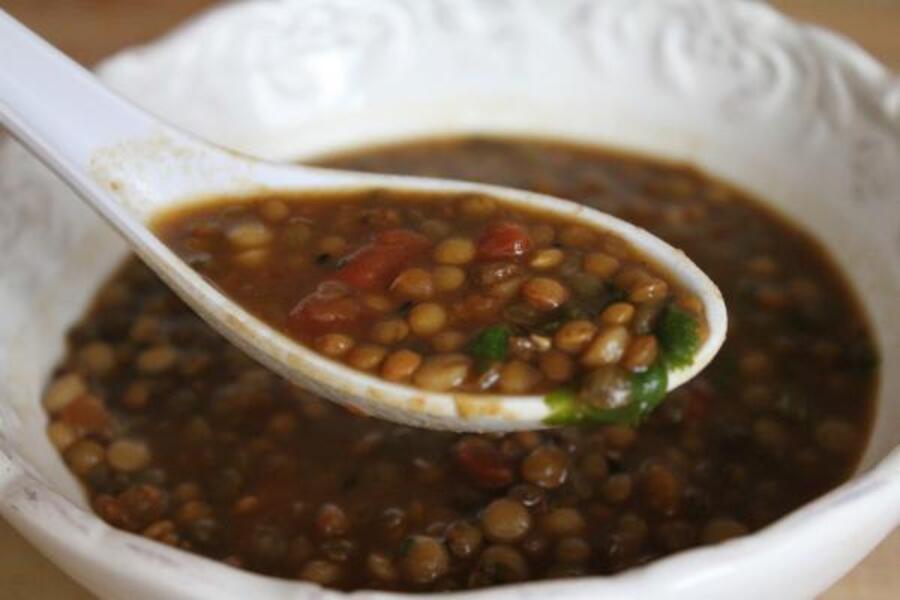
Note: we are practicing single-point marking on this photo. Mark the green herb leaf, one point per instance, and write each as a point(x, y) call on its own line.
point(561, 402)
point(647, 390)
point(565, 409)
point(490, 346)
point(679, 335)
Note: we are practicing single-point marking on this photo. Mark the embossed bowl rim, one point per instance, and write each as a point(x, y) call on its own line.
point(800, 554)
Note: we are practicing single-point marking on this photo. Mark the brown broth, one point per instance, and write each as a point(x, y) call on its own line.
point(180, 437)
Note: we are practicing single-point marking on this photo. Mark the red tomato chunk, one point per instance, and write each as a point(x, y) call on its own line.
point(503, 240)
point(378, 262)
point(326, 310)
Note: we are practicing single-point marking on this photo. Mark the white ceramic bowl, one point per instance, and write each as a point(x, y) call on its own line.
point(799, 116)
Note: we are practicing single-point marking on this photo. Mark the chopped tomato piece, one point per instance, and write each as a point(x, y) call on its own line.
point(503, 240)
point(482, 462)
point(326, 310)
point(377, 263)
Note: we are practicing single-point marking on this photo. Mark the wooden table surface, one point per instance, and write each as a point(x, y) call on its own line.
point(91, 29)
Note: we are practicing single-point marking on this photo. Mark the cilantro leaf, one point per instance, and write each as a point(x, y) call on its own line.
point(679, 335)
point(490, 346)
point(647, 390)
point(565, 409)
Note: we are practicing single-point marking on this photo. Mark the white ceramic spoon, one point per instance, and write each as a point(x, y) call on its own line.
point(130, 166)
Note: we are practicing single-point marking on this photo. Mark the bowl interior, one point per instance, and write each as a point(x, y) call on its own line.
point(72, 277)
point(797, 120)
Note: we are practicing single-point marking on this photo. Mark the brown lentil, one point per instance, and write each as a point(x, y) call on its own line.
point(546, 466)
point(414, 284)
point(544, 293)
point(443, 372)
point(427, 319)
point(157, 359)
point(97, 358)
point(619, 313)
point(499, 564)
point(607, 348)
point(563, 522)
point(617, 488)
point(572, 550)
point(321, 572)
point(505, 520)
point(390, 332)
point(381, 567)
point(84, 455)
point(249, 235)
point(425, 560)
point(63, 391)
point(556, 366)
point(722, 529)
point(366, 357)
point(334, 344)
point(274, 210)
point(61, 435)
point(128, 455)
point(518, 377)
point(454, 251)
point(400, 365)
point(332, 521)
point(600, 264)
point(448, 278)
point(463, 539)
point(574, 336)
point(547, 258)
point(448, 341)
point(642, 352)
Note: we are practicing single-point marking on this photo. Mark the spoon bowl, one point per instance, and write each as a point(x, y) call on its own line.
point(131, 167)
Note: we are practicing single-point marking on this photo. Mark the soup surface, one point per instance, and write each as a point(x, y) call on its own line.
point(452, 293)
point(180, 437)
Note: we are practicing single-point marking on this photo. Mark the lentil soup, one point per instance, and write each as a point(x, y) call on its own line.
point(451, 293)
point(178, 436)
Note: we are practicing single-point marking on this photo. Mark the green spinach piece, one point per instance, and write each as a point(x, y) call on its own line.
point(679, 336)
point(647, 390)
point(491, 345)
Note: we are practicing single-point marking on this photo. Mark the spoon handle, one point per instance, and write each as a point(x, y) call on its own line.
point(57, 108)
point(121, 160)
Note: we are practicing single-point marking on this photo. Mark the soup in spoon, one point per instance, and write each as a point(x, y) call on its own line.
point(460, 293)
